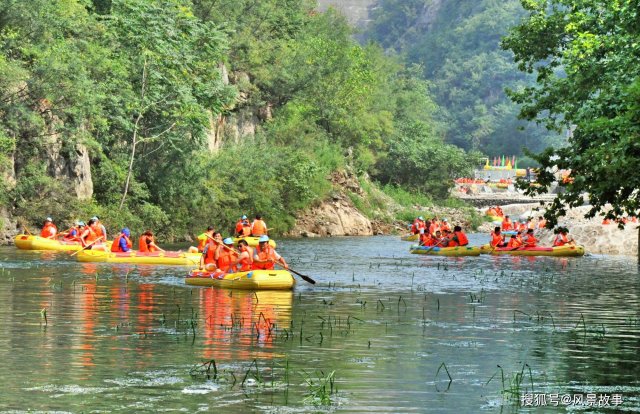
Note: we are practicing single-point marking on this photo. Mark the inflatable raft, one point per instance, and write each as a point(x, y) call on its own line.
point(253, 241)
point(254, 280)
point(155, 258)
point(31, 242)
point(410, 237)
point(558, 251)
point(446, 251)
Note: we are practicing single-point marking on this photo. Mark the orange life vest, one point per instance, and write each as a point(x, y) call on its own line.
point(530, 240)
point(226, 260)
point(49, 230)
point(561, 240)
point(263, 255)
point(507, 224)
point(90, 236)
point(445, 227)
point(202, 241)
point(209, 256)
point(115, 246)
point(239, 227)
point(245, 261)
point(496, 239)
point(143, 244)
point(258, 228)
point(461, 238)
point(542, 224)
point(513, 242)
point(426, 240)
point(246, 230)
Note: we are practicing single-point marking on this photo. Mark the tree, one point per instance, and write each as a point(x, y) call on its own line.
point(586, 55)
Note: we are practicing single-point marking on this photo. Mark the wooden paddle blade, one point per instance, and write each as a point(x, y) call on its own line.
point(304, 277)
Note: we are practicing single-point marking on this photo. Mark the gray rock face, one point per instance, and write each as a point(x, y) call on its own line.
point(335, 217)
point(356, 11)
point(72, 165)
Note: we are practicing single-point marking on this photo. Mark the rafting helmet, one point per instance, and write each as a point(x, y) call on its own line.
point(421, 218)
point(244, 217)
point(48, 219)
point(228, 240)
point(263, 239)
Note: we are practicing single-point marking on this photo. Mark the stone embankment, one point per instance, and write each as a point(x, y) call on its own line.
point(591, 233)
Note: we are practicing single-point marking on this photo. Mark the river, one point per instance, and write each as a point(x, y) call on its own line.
point(381, 331)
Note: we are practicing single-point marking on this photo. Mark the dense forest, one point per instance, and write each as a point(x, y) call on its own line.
point(137, 90)
point(456, 44)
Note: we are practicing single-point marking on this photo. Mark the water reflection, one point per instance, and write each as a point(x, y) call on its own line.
point(122, 338)
point(237, 320)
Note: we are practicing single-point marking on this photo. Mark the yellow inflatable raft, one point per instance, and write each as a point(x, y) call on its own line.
point(155, 258)
point(253, 241)
point(410, 237)
point(254, 280)
point(31, 242)
point(558, 251)
point(446, 251)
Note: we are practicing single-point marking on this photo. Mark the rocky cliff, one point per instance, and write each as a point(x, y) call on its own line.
point(335, 216)
point(356, 11)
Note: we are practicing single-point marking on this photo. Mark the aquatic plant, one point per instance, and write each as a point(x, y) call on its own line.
point(512, 386)
point(321, 388)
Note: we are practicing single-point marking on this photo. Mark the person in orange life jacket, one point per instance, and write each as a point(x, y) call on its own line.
point(496, 238)
point(102, 230)
point(264, 256)
point(49, 230)
point(245, 260)
point(530, 224)
point(122, 243)
point(445, 226)
point(246, 228)
point(74, 232)
point(522, 226)
point(513, 242)
point(519, 237)
point(530, 240)
point(202, 240)
point(434, 226)
point(426, 239)
point(208, 258)
point(542, 223)
point(507, 224)
point(240, 224)
point(90, 238)
point(258, 227)
point(421, 226)
point(563, 238)
point(147, 243)
point(226, 257)
point(458, 238)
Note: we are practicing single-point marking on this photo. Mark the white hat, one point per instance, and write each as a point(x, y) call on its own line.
point(48, 219)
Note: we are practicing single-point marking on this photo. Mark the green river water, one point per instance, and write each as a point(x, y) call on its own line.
point(381, 331)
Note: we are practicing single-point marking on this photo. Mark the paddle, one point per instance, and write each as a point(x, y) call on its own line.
point(74, 253)
point(304, 277)
point(432, 247)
